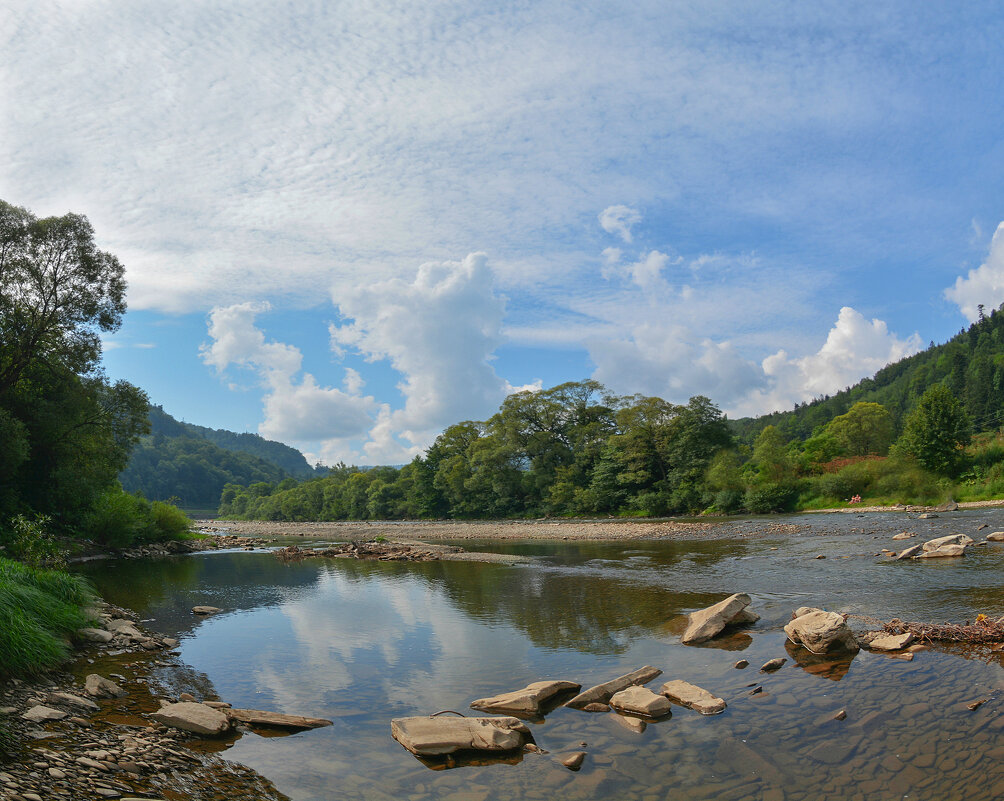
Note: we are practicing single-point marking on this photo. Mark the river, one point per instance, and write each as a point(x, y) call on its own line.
point(364, 642)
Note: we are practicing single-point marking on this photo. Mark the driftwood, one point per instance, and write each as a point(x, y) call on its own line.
point(981, 631)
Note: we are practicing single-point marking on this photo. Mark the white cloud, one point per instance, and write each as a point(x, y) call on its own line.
point(854, 349)
point(619, 220)
point(295, 409)
point(666, 360)
point(984, 285)
point(439, 332)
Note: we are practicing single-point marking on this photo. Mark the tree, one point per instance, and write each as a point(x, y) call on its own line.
point(864, 429)
point(770, 454)
point(57, 292)
point(936, 432)
point(65, 430)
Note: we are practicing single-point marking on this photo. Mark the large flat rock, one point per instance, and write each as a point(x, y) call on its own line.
point(637, 700)
point(951, 539)
point(99, 687)
point(436, 736)
point(276, 719)
point(693, 697)
point(707, 623)
point(527, 701)
point(601, 692)
point(40, 714)
point(948, 550)
point(193, 717)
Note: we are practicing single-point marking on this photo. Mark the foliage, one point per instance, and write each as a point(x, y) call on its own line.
point(572, 449)
point(31, 541)
point(118, 519)
point(39, 609)
point(65, 430)
point(937, 431)
point(770, 497)
point(866, 428)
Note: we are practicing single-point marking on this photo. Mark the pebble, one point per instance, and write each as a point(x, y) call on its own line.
point(574, 761)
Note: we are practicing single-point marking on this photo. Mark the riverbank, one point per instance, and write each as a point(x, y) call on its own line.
point(86, 730)
point(599, 530)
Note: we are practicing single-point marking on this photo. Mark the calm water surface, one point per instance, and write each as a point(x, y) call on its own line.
point(363, 642)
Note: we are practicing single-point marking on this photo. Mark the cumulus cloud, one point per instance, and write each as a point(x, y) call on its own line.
point(619, 220)
point(439, 331)
point(296, 408)
point(854, 349)
point(984, 285)
point(667, 360)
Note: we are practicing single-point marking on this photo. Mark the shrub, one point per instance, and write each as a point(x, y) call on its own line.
point(835, 485)
point(771, 497)
point(168, 521)
point(30, 541)
point(728, 501)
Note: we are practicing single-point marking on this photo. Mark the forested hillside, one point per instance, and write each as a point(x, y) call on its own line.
point(192, 464)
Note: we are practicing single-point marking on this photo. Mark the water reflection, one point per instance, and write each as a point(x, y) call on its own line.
point(361, 643)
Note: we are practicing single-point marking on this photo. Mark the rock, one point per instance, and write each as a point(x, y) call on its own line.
point(596, 707)
point(995, 536)
point(943, 551)
point(574, 761)
point(906, 553)
point(640, 701)
point(951, 539)
point(821, 556)
point(73, 700)
point(905, 535)
point(126, 627)
point(196, 718)
point(745, 618)
point(891, 642)
point(950, 506)
point(693, 697)
point(804, 610)
point(40, 714)
point(742, 663)
point(436, 736)
point(927, 516)
point(186, 697)
point(257, 716)
point(99, 687)
point(169, 642)
point(821, 632)
point(206, 610)
point(601, 692)
point(841, 715)
point(706, 623)
point(527, 701)
point(95, 635)
point(217, 704)
point(773, 665)
point(636, 725)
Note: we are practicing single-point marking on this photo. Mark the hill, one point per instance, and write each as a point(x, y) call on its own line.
point(193, 463)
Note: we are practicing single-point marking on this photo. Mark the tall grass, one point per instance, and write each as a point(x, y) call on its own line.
point(39, 611)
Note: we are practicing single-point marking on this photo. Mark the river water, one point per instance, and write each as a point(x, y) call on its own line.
point(364, 642)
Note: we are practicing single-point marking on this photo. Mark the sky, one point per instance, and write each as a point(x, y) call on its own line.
point(348, 225)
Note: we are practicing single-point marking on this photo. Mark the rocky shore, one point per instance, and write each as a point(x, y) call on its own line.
point(91, 731)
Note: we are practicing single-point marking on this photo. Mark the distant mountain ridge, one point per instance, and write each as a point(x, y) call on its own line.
point(193, 463)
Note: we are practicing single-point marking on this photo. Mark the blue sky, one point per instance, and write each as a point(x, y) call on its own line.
point(349, 225)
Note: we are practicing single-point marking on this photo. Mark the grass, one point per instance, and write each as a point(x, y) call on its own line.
point(39, 611)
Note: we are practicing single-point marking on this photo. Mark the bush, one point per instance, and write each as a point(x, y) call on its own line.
point(30, 541)
point(169, 522)
point(728, 501)
point(837, 486)
point(119, 520)
point(772, 497)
